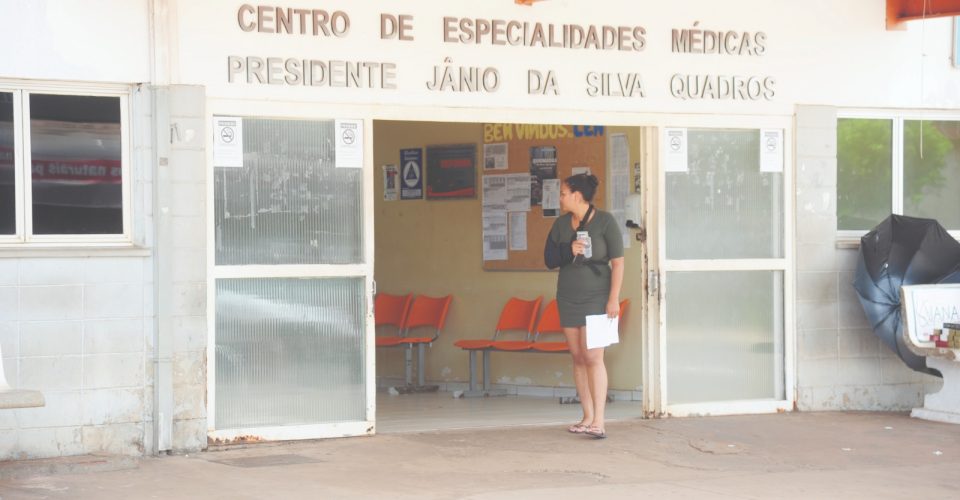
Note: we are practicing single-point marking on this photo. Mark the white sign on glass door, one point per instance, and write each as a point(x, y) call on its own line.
point(349, 151)
point(227, 141)
point(771, 150)
point(675, 149)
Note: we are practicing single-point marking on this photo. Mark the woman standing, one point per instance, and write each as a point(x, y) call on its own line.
point(591, 273)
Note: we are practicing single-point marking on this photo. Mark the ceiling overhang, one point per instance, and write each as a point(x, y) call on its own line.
point(901, 11)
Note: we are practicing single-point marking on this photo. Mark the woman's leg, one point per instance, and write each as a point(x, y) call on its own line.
point(577, 343)
point(597, 377)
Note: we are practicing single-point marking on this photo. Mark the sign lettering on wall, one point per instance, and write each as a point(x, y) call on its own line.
point(460, 77)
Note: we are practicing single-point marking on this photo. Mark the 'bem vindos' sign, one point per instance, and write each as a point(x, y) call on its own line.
point(447, 77)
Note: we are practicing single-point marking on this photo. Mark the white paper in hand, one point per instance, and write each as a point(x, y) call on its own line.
point(601, 331)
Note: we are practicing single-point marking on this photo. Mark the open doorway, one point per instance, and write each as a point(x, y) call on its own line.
point(432, 240)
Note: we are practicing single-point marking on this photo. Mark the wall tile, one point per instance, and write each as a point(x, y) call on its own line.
point(43, 303)
point(817, 172)
point(59, 442)
point(110, 336)
point(852, 315)
point(859, 343)
point(117, 439)
point(9, 339)
point(816, 116)
point(61, 409)
point(816, 372)
point(189, 333)
point(817, 287)
point(114, 270)
point(816, 202)
point(113, 300)
point(51, 338)
point(52, 271)
point(62, 373)
point(103, 371)
point(816, 315)
point(9, 272)
point(817, 229)
point(9, 303)
point(817, 142)
point(112, 406)
point(818, 344)
point(859, 372)
point(816, 257)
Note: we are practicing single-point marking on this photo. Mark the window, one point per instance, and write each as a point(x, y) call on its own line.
point(63, 168)
point(901, 165)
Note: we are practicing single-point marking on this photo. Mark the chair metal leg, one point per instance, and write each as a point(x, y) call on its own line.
point(420, 375)
point(408, 364)
point(486, 370)
point(473, 371)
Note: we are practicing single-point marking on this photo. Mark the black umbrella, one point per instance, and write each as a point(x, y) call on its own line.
point(901, 251)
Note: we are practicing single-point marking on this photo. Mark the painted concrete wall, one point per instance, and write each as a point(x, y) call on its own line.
point(79, 40)
point(435, 248)
point(841, 364)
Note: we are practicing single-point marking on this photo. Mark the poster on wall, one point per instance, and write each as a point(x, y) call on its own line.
point(391, 178)
point(551, 198)
point(349, 146)
point(411, 174)
point(451, 172)
point(227, 141)
point(543, 165)
point(495, 156)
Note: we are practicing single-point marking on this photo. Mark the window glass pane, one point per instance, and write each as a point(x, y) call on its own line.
point(76, 154)
point(864, 172)
point(290, 352)
point(723, 206)
point(288, 204)
point(8, 201)
point(931, 171)
point(724, 336)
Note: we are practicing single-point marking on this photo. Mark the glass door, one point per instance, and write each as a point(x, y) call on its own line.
point(725, 280)
point(292, 280)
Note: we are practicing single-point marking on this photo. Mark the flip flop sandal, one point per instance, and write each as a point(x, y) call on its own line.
point(595, 433)
point(577, 429)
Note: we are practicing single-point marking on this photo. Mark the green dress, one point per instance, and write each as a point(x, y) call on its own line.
point(581, 291)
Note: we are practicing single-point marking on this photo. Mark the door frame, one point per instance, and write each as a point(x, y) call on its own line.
point(655, 354)
point(292, 111)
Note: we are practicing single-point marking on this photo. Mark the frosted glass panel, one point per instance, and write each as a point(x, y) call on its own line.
point(288, 204)
point(931, 171)
point(724, 336)
point(723, 206)
point(289, 352)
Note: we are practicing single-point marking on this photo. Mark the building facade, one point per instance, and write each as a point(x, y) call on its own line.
point(189, 189)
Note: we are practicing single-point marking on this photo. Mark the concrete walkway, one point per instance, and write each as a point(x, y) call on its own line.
point(797, 455)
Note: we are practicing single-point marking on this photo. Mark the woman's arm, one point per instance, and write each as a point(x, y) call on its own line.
point(616, 281)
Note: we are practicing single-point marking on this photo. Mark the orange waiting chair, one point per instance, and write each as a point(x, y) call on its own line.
point(550, 324)
point(425, 312)
point(391, 311)
point(517, 314)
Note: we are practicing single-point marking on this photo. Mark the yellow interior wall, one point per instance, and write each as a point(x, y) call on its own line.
point(434, 248)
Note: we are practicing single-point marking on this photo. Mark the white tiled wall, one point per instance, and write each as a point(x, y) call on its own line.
point(841, 364)
point(73, 329)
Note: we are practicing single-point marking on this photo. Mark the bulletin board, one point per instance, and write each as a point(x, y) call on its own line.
point(576, 146)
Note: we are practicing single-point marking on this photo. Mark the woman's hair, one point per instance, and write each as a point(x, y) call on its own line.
point(585, 184)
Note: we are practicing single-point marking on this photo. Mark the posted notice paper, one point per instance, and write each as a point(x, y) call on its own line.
point(602, 331)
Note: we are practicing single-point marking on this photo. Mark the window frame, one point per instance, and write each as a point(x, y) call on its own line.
point(897, 119)
point(23, 237)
